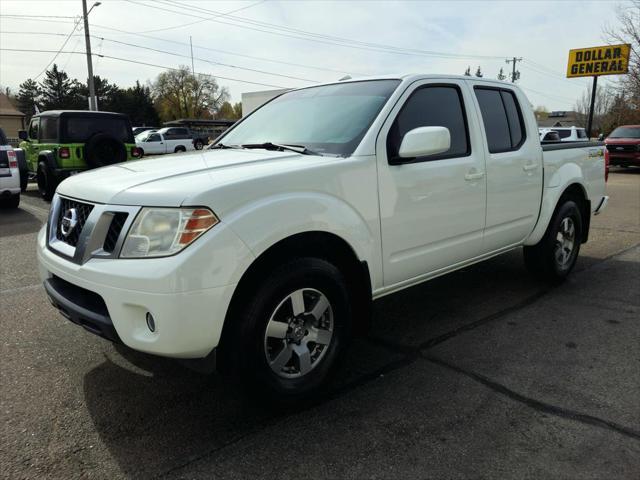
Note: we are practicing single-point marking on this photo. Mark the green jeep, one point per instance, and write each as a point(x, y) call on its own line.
point(60, 143)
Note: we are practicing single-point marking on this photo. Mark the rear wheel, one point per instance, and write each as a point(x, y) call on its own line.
point(179, 149)
point(47, 181)
point(198, 144)
point(287, 340)
point(554, 257)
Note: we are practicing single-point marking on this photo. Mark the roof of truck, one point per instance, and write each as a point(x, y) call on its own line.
point(77, 113)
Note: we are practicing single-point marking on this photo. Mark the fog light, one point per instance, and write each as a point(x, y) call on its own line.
point(151, 323)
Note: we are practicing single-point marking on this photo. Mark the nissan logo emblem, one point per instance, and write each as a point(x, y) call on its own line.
point(69, 222)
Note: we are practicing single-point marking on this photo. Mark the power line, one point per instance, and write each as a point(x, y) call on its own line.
point(211, 62)
point(202, 20)
point(318, 38)
point(66, 40)
point(34, 50)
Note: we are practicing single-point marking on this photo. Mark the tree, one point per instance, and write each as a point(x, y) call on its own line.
point(180, 94)
point(58, 91)
point(478, 72)
point(28, 97)
point(501, 75)
point(104, 90)
point(229, 112)
point(467, 72)
point(627, 30)
point(137, 103)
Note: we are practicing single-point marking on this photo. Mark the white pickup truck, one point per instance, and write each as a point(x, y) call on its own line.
point(165, 140)
point(267, 250)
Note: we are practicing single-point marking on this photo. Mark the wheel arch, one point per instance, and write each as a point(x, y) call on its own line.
point(318, 244)
point(574, 190)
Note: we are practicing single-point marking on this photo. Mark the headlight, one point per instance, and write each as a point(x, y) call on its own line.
point(160, 232)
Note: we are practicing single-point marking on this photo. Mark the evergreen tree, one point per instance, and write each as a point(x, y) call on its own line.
point(137, 103)
point(58, 91)
point(28, 96)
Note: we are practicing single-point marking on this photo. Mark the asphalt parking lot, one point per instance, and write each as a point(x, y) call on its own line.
point(484, 373)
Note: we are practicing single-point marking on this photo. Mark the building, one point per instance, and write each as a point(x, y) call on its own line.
point(11, 119)
point(206, 128)
point(558, 118)
point(253, 100)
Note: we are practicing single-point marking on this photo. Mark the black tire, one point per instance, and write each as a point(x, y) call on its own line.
point(550, 260)
point(246, 350)
point(47, 181)
point(24, 180)
point(14, 201)
point(23, 168)
point(179, 149)
point(141, 153)
point(103, 149)
point(198, 144)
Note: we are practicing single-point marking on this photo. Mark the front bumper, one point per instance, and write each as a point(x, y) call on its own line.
point(111, 297)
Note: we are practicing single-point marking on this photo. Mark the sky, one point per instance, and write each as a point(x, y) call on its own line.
point(299, 43)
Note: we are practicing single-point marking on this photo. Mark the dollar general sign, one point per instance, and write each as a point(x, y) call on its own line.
point(595, 61)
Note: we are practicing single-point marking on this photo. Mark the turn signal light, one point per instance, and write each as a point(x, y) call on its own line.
point(200, 221)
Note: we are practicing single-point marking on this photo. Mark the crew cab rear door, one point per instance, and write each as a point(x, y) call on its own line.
point(432, 208)
point(514, 164)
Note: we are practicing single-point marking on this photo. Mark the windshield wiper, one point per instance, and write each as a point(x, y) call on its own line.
point(278, 146)
point(223, 146)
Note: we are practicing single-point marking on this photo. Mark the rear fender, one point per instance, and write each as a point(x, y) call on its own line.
point(559, 181)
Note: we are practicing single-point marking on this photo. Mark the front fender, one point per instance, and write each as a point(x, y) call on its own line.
point(265, 222)
point(559, 180)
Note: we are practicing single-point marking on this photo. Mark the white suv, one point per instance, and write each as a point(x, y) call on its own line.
point(9, 174)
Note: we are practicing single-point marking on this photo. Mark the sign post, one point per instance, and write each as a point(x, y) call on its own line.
point(597, 61)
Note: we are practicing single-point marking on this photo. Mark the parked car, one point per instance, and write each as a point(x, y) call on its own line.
point(267, 250)
point(548, 135)
point(138, 130)
point(60, 143)
point(571, 134)
point(199, 140)
point(9, 174)
point(623, 146)
point(163, 141)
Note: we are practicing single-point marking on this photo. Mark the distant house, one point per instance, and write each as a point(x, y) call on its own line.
point(558, 118)
point(11, 119)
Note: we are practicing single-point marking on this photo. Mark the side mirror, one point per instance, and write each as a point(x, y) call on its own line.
point(22, 135)
point(423, 141)
point(601, 137)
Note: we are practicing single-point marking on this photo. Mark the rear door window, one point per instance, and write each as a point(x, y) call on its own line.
point(33, 129)
point(563, 133)
point(502, 119)
point(49, 129)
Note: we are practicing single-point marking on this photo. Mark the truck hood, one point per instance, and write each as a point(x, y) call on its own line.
point(171, 180)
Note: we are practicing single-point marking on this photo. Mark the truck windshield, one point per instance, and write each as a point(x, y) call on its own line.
point(626, 132)
point(330, 119)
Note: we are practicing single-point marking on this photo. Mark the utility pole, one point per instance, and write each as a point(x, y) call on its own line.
point(193, 70)
point(515, 74)
point(93, 104)
point(594, 89)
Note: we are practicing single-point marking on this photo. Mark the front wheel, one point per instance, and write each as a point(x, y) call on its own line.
point(554, 257)
point(288, 339)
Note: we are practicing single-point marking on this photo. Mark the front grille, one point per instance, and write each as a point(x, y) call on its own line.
point(82, 211)
point(119, 219)
point(622, 148)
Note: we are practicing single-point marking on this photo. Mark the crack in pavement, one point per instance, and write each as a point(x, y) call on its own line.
point(537, 404)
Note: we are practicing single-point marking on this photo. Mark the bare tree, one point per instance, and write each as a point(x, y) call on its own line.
point(602, 107)
point(627, 30)
point(180, 94)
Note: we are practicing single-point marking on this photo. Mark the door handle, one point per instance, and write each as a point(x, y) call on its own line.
point(530, 166)
point(473, 176)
